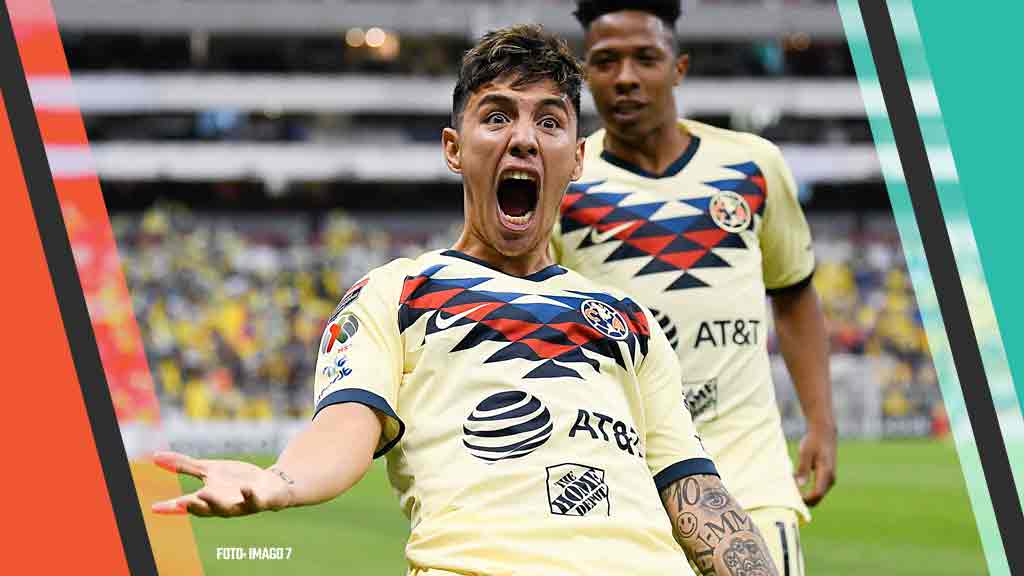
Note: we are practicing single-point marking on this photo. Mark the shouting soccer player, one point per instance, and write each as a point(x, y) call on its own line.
point(698, 223)
point(529, 417)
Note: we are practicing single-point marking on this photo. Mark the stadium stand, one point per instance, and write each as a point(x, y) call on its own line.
point(255, 167)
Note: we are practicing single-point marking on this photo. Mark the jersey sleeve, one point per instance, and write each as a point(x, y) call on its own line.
point(673, 448)
point(360, 356)
point(785, 236)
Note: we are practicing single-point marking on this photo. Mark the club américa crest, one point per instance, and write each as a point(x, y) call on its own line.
point(730, 211)
point(605, 319)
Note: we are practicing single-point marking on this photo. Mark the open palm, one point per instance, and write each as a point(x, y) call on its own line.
point(230, 487)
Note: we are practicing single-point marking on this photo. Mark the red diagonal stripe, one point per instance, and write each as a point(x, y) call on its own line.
point(682, 260)
point(651, 245)
point(591, 215)
point(434, 300)
point(577, 333)
point(61, 127)
point(546, 349)
point(706, 238)
point(514, 330)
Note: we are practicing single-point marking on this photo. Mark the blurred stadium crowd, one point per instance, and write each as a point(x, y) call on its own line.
point(231, 308)
point(259, 156)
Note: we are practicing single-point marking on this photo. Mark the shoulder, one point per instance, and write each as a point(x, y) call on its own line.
point(760, 149)
point(388, 279)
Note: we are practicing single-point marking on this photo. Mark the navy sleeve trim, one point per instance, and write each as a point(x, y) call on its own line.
point(681, 470)
point(792, 288)
point(371, 400)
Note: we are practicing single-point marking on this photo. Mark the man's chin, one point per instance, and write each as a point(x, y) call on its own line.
point(514, 244)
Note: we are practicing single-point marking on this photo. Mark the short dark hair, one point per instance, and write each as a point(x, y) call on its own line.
point(667, 11)
point(525, 52)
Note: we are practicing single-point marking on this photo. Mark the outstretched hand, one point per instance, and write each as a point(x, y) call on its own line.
point(230, 488)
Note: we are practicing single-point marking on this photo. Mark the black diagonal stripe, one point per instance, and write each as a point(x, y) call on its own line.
point(71, 302)
point(952, 302)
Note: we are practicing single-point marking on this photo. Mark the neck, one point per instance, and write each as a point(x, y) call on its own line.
point(654, 151)
point(520, 265)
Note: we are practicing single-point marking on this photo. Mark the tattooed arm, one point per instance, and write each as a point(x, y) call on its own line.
point(717, 535)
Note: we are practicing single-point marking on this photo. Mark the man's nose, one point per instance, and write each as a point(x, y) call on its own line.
point(524, 139)
point(626, 80)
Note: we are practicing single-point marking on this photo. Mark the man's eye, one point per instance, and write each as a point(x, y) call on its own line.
point(549, 123)
point(496, 118)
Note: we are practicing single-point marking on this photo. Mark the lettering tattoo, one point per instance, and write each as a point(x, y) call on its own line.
point(716, 534)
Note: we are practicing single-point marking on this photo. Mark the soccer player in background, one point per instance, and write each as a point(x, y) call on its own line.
point(529, 418)
point(698, 223)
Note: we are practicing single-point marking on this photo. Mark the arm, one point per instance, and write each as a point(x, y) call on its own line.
point(714, 531)
point(312, 469)
point(804, 345)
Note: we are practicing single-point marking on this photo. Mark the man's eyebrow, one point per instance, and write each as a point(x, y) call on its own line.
point(496, 99)
point(556, 102)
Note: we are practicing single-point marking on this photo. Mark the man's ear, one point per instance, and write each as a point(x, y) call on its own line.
point(451, 147)
point(682, 66)
point(577, 171)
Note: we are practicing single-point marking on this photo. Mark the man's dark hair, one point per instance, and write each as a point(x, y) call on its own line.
point(666, 10)
point(526, 53)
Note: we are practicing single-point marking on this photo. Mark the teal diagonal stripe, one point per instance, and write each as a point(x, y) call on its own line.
point(944, 170)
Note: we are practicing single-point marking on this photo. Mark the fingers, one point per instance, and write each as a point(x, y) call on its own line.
point(824, 479)
point(187, 504)
point(228, 502)
point(180, 463)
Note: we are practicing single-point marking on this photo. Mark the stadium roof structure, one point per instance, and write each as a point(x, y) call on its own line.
point(752, 19)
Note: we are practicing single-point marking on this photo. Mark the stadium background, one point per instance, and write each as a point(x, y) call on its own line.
point(257, 157)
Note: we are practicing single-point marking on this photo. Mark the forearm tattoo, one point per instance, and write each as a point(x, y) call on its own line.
point(717, 535)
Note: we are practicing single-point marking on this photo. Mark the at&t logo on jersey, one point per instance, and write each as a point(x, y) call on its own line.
point(730, 211)
point(577, 490)
point(507, 425)
point(605, 319)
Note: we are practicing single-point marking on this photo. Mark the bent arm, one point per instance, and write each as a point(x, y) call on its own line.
point(716, 534)
point(330, 455)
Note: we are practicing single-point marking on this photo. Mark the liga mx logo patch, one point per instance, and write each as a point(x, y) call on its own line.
point(577, 490)
point(605, 319)
point(730, 211)
point(339, 331)
point(507, 425)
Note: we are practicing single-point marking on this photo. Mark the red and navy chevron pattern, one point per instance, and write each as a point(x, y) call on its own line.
point(545, 328)
point(672, 244)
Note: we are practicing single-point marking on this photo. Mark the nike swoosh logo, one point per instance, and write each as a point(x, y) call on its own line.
point(599, 237)
point(445, 323)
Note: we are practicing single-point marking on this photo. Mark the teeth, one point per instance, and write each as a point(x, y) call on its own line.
point(524, 219)
point(517, 175)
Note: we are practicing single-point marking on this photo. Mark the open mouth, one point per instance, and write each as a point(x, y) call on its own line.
point(517, 198)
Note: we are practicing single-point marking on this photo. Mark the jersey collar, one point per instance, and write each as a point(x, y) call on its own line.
point(672, 170)
point(538, 276)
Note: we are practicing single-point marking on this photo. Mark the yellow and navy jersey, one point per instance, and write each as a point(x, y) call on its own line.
point(530, 421)
point(700, 245)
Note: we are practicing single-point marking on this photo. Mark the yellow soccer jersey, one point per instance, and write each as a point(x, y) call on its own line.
point(530, 421)
point(700, 245)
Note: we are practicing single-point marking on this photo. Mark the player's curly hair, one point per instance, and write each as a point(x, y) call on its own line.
point(667, 11)
point(526, 53)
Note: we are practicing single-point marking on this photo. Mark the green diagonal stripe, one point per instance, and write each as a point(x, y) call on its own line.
point(903, 213)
